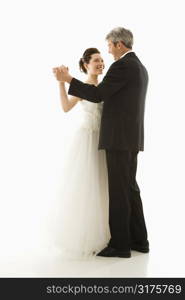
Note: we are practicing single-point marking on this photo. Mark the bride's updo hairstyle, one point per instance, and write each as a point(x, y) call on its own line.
point(86, 58)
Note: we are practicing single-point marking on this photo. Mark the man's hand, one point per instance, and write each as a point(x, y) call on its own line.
point(62, 74)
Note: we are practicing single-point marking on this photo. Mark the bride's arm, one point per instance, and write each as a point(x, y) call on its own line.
point(66, 102)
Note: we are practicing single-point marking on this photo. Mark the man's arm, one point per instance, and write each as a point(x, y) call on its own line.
point(116, 78)
point(87, 91)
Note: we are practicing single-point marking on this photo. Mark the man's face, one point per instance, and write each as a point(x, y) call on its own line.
point(112, 49)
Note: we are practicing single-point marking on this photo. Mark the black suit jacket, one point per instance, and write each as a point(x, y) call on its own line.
point(123, 91)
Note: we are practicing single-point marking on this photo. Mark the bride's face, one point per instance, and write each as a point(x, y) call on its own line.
point(95, 65)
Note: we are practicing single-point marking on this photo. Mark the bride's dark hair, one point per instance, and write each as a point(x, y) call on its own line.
point(86, 58)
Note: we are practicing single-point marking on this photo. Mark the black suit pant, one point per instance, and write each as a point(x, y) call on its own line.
point(126, 217)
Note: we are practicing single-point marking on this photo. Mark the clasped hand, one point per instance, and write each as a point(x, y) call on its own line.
point(61, 73)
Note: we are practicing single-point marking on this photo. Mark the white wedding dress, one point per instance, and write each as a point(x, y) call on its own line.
point(82, 222)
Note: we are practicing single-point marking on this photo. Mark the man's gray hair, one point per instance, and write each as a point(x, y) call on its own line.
point(120, 34)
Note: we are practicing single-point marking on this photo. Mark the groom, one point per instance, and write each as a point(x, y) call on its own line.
point(123, 91)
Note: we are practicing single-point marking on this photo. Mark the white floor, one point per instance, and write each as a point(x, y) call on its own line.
point(22, 254)
point(162, 261)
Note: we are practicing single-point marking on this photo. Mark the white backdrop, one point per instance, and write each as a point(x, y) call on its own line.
point(39, 35)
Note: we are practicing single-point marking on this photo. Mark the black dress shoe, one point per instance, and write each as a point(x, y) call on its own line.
point(140, 248)
point(112, 252)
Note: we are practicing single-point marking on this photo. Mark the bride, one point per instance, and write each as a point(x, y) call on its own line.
point(82, 221)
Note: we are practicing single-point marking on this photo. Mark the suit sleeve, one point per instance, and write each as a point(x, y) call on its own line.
point(115, 79)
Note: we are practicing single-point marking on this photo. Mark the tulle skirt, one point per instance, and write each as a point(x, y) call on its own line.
point(82, 216)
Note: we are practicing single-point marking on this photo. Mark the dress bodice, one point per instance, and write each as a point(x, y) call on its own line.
point(91, 114)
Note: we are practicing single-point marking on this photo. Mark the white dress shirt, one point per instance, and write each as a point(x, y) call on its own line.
point(126, 53)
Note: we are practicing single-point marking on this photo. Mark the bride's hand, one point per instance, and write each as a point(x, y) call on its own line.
point(62, 74)
point(57, 74)
point(63, 68)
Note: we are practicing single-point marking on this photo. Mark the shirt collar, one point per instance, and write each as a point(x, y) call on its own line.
point(126, 53)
